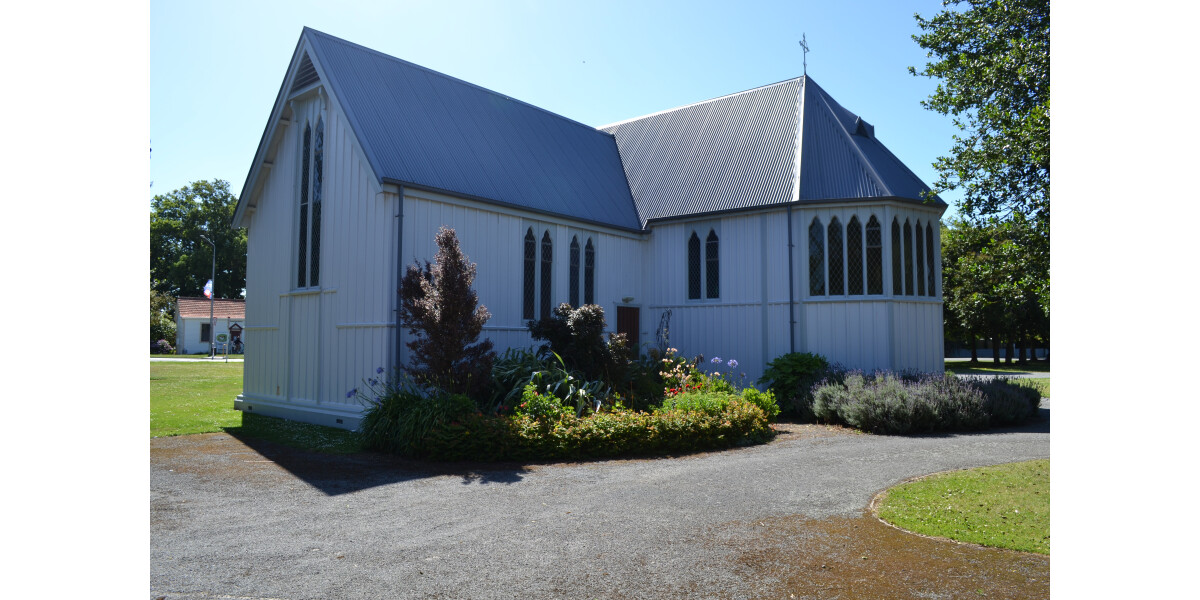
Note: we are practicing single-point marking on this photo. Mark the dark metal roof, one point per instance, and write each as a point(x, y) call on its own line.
point(739, 151)
point(732, 152)
point(431, 130)
point(428, 130)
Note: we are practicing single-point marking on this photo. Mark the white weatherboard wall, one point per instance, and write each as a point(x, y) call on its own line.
point(871, 332)
point(750, 321)
point(308, 347)
point(493, 238)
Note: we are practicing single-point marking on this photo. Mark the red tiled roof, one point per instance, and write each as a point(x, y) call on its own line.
point(190, 308)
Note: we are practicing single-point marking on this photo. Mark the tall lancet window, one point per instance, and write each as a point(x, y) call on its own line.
point(693, 247)
point(529, 298)
point(874, 257)
point(574, 277)
point(836, 277)
point(318, 171)
point(897, 264)
point(816, 258)
point(302, 242)
point(854, 257)
point(547, 265)
point(920, 262)
point(712, 264)
point(908, 259)
point(589, 273)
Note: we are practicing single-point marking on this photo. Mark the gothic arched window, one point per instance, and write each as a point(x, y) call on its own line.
point(712, 265)
point(816, 258)
point(836, 263)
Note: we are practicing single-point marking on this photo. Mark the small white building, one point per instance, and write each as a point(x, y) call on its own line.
point(751, 225)
point(192, 325)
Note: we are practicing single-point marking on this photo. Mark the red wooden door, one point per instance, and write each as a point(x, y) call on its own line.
point(628, 323)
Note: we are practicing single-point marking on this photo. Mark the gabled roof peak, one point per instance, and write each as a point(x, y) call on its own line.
point(451, 78)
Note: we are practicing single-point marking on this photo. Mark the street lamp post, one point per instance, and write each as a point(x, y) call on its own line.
point(212, 329)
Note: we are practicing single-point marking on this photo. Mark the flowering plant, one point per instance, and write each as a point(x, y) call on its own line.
point(677, 374)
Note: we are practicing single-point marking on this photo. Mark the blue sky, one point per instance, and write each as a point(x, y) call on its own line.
point(216, 66)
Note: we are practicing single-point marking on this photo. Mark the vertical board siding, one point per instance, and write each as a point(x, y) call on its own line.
point(494, 242)
point(308, 348)
point(313, 347)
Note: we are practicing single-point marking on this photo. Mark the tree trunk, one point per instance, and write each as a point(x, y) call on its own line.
point(974, 351)
point(995, 348)
point(1008, 352)
point(1023, 350)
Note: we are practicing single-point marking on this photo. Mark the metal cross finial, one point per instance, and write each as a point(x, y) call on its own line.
point(804, 44)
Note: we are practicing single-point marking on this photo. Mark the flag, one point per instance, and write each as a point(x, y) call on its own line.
point(208, 289)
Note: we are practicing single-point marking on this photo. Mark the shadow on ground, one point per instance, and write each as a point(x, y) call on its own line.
point(335, 474)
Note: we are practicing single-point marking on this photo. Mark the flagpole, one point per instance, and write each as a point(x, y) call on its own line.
point(212, 329)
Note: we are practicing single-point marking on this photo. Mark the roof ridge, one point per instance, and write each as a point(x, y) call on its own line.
point(662, 112)
point(847, 138)
point(334, 38)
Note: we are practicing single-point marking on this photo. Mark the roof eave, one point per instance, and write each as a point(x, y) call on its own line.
point(939, 205)
point(465, 196)
point(264, 142)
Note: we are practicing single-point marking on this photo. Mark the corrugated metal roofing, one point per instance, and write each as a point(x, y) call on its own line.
point(732, 152)
point(423, 128)
point(739, 151)
point(428, 129)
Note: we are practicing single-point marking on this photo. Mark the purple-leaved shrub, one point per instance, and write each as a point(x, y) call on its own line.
point(441, 310)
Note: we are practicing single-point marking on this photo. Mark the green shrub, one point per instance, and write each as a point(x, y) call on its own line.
point(583, 395)
point(510, 372)
point(704, 401)
point(1008, 403)
point(403, 414)
point(792, 377)
point(576, 335)
point(644, 386)
point(619, 432)
point(765, 401)
point(540, 406)
point(886, 403)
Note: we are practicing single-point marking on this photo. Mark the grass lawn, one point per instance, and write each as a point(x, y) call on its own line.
point(987, 367)
point(1006, 506)
point(187, 397)
point(1041, 384)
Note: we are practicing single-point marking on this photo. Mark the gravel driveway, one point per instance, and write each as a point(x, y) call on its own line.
point(244, 519)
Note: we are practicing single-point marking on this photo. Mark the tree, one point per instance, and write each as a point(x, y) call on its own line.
point(439, 307)
point(993, 60)
point(180, 261)
point(162, 317)
point(994, 282)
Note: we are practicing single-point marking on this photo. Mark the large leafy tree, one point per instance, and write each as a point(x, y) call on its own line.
point(180, 261)
point(992, 282)
point(992, 60)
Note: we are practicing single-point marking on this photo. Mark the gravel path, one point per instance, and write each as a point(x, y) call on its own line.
point(244, 519)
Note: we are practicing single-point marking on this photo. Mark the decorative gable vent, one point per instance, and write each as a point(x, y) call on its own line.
point(306, 75)
point(863, 128)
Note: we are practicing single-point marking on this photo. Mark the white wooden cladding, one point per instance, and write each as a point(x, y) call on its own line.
point(750, 320)
point(314, 345)
point(310, 347)
point(494, 241)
